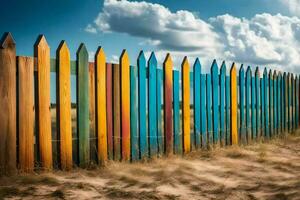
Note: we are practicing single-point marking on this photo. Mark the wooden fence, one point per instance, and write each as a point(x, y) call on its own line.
point(131, 113)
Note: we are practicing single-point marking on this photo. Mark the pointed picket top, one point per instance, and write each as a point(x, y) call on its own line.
point(185, 63)
point(265, 72)
point(41, 42)
point(223, 68)
point(197, 65)
point(152, 60)
point(249, 72)
point(141, 57)
point(214, 67)
point(124, 59)
point(257, 73)
point(168, 61)
point(275, 74)
point(270, 74)
point(82, 49)
point(100, 55)
point(63, 48)
point(242, 71)
point(7, 40)
point(233, 69)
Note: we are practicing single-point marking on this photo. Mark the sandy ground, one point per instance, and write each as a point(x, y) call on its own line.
point(258, 171)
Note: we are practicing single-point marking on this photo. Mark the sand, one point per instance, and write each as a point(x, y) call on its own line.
point(258, 171)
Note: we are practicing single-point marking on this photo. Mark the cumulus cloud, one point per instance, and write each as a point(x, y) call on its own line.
point(293, 6)
point(264, 40)
point(90, 29)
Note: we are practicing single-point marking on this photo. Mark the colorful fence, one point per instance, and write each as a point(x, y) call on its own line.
point(131, 113)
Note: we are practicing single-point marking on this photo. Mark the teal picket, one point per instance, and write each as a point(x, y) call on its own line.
point(215, 100)
point(289, 102)
point(197, 113)
point(222, 103)
point(143, 142)
point(253, 109)
point(227, 101)
point(262, 93)
point(208, 108)
point(248, 100)
point(292, 102)
point(271, 115)
point(242, 105)
point(296, 102)
point(160, 136)
point(275, 102)
point(134, 137)
point(203, 111)
point(279, 102)
point(176, 115)
point(152, 121)
point(284, 96)
point(266, 102)
point(258, 113)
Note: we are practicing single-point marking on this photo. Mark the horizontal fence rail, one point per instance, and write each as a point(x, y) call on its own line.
point(130, 113)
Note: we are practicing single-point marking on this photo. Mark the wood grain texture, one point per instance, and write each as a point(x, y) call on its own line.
point(242, 105)
point(83, 117)
point(197, 109)
point(215, 101)
point(248, 103)
point(152, 112)
point(234, 104)
point(26, 113)
point(186, 113)
point(176, 113)
point(125, 105)
point(42, 52)
point(109, 110)
point(168, 101)
point(222, 104)
point(101, 106)
point(160, 136)
point(64, 105)
point(117, 111)
point(143, 136)
point(92, 114)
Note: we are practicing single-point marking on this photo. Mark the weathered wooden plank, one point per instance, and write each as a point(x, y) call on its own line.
point(292, 102)
point(209, 110)
point(197, 113)
point(92, 114)
point(228, 103)
point(222, 104)
point(296, 102)
point(248, 101)
point(117, 112)
point(176, 114)
point(143, 138)
point(160, 136)
point(262, 108)
point(253, 107)
point(234, 104)
point(168, 99)
point(215, 101)
point(185, 70)
point(284, 96)
point(242, 136)
point(109, 110)
point(289, 102)
point(275, 102)
point(42, 52)
point(152, 120)
point(64, 118)
point(279, 102)
point(258, 103)
point(266, 102)
point(26, 113)
point(83, 120)
point(125, 105)
point(101, 105)
point(271, 113)
point(134, 134)
point(203, 111)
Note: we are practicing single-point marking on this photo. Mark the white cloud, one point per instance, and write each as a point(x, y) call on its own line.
point(264, 40)
point(293, 6)
point(90, 29)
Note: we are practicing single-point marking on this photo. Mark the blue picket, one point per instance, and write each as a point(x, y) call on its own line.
point(266, 102)
point(203, 111)
point(197, 113)
point(215, 100)
point(208, 107)
point(248, 100)
point(242, 104)
point(258, 103)
point(275, 102)
point(143, 142)
point(134, 137)
point(160, 136)
point(176, 115)
point(262, 107)
point(227, 101)
point(152, 120)
point(271, 103)
point(253, 105)
point(222, 103)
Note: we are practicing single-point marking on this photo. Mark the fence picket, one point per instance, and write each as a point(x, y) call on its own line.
point(296, 102)
point(262, 93)
point(197, 112)
point(209, 110)
point(253, 107)
point(109, 110)
point(242, 131)
point(215, 101)
point(266, 101)
point(64, 105)
point(271, 112)
point(176, 116)
point(168, 101)
point(248, 100)
point(185, 70)
point(160, 137)
point(117, 111)
point(275, 93)
point(222, 103)
point(234, 105)
point(258, 103)
point(228, 103)
point(141, 63)
point(203, 111)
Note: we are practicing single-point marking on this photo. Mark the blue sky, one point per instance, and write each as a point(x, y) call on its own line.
point(264, 33)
